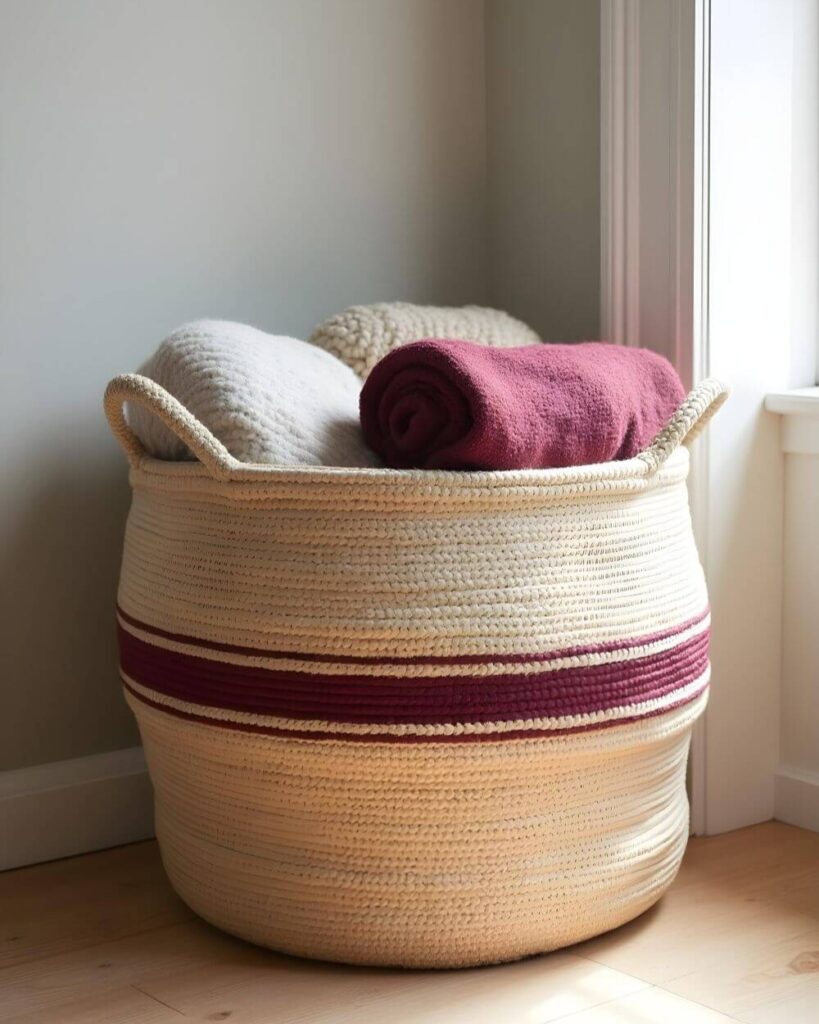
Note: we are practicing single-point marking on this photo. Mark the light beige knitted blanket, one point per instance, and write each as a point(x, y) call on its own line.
point(362, 335)
point(268, 399)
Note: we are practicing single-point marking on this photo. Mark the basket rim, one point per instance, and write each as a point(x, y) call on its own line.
point(616, 472)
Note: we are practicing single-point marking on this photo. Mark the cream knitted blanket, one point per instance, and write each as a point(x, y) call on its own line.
point(268, 399)
point(362, 335)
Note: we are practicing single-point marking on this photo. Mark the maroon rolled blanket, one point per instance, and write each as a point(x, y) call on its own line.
point(439, 404)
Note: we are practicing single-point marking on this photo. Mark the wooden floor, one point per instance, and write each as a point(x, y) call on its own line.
point(102, 939)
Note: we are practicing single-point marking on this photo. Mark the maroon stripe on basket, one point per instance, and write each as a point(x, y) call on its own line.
point(483, 737)
point(423, 659)
point(423, 700)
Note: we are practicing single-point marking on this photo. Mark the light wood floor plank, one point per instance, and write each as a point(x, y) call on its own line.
point(122, 1006)
point(288, 991)
point(650, 1006)
point(68, 904)
point(107, 966)
point(753, 974)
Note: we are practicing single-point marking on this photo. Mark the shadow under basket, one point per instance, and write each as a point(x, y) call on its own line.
point(427, 719)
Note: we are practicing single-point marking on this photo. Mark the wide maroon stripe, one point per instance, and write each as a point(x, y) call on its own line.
point(422, 700)
point(431, 659)
point(480, 737)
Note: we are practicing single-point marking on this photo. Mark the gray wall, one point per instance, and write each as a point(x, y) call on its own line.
point(543, 89)
point(270, 162)
point(265, 161)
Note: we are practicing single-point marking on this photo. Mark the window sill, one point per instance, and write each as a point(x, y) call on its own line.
point(800, 419)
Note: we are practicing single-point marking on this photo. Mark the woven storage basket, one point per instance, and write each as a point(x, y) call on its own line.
point(427, 719)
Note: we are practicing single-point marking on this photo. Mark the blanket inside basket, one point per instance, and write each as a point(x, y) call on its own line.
point(268, 399)
point(449, 404)
point(361, 335)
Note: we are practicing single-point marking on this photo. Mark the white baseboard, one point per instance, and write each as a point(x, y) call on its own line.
point(69, 807)
point(796, 799)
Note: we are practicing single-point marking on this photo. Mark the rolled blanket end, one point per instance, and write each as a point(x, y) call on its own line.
point(449, 404)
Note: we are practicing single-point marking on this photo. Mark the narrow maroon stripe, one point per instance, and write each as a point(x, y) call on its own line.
point(496, 737)
point(423, 700)
point(431, 659)
point(262, 680)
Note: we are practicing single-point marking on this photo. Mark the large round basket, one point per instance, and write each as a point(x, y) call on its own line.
point(426, 719)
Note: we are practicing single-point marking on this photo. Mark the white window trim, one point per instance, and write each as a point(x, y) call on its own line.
point(733, 304)
point(675, 172)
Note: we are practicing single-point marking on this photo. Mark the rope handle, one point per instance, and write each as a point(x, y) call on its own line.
point(686, 423)
point(131, 387)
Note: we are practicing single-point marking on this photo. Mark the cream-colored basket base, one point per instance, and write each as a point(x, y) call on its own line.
point(420, 855)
